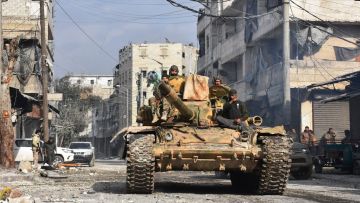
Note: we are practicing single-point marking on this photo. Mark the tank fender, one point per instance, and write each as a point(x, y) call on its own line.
point(125, 134)
point(277, 130)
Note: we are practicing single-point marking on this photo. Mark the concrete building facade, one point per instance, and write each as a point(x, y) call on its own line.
point(246, 51)
point(100, 85)
point(136, 61)
point(21, 18)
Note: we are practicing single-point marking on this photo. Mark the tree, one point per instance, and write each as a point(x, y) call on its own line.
point(6, 128)
point(74, 108)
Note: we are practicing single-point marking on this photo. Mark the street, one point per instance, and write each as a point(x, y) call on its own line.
point(106, 182)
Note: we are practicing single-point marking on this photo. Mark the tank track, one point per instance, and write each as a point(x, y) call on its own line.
point(275, 166)
point(140, 165)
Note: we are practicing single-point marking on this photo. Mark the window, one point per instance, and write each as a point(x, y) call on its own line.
point(109, 83)
point(143, 73)
point(143, 52)
point(183, 54)
point(164, 52)
point(79, 82)
point(207, 42)
point(183, 67)
point(92, 82)
point(144, 95)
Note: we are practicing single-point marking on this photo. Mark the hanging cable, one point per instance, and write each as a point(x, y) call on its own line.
point(84, 32)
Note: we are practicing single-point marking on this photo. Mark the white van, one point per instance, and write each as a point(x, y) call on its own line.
point(23, 152)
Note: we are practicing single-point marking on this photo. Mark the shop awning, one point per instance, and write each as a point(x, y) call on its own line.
point(21, 100)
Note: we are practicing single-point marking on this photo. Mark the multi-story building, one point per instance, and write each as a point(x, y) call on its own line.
point(21, 18)
point(100, 85)
point(245, 48)
point(136, 61)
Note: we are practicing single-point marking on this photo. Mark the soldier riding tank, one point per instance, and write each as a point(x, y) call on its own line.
point(257, 158)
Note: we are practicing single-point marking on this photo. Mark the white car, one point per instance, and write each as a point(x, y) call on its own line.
point(23, 152)
point(84, 152)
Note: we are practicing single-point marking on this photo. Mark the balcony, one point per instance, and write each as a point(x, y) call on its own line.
point(233, 46)
point(268, 23)
point(202, 24)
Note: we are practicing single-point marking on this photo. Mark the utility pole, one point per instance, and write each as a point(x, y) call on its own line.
point(45, 106)
point(286, 62)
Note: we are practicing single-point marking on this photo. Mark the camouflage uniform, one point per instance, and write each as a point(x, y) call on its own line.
point(36, 148)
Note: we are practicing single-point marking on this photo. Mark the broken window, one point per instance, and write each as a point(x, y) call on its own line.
point(143, 52)
point(164, 52)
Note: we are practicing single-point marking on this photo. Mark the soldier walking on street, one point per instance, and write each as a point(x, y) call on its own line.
point(50, 149)
point(36, 148)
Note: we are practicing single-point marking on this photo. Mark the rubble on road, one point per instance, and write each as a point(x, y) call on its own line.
point(25, 166)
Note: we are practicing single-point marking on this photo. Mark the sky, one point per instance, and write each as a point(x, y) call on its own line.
point(113, 24)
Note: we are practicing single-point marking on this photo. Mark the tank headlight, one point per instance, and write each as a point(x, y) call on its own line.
point(305, 150)
point(168, 136)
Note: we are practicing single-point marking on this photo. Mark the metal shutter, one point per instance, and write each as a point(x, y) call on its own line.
point(331, 115)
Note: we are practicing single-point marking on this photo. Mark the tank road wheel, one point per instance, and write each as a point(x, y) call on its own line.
point(275, 166)
point(140, 165)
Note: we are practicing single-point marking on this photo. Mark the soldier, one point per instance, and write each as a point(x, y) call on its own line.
point(36, 147)
point(164, 106)
point(50, 149)
point(218, 93)
point(159, 105)
point(234, 112)
point(175, 81)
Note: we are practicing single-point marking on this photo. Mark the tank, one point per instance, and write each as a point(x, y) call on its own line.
point(256, 157)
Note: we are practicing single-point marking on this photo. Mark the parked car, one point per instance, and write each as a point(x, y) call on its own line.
point(302, 164)
point(23, 152)
point(84, 152)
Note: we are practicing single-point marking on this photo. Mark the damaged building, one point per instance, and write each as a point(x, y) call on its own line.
point(245, 47)
point(21, 19)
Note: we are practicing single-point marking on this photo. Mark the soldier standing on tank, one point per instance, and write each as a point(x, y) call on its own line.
point(164, 107)
point(218, 93)
point(160, 106)
point(234, 112)
point(176, 81)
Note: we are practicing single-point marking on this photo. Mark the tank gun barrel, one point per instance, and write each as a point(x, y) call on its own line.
point(172, 97)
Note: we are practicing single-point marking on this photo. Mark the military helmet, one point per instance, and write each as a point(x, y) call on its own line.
point(174, 67)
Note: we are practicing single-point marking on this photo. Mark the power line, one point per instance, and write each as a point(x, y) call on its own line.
point(317, 63)
point(217, 16)
point(327, 32)
point(83, 31)
point(331, 9)
point(327, 23)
